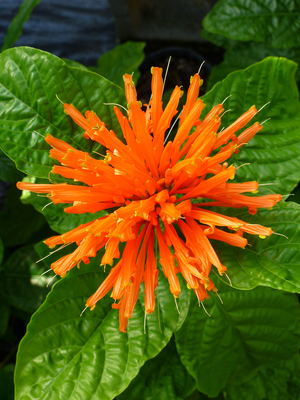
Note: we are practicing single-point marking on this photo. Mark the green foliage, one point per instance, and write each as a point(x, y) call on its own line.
point(161, 378)
point(21, 284)
point(249, 332)
point(274, 153)
point(269, 262)
point(242, 54)
point(8, 171)
point(275, 22)
point(62, 351)
point(20, 224)
point(123, 59)
point(29, 83)
point(16, 27)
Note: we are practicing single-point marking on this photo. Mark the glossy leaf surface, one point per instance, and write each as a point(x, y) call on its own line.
point(30, 80)
point(62, 351)
point(275, 22)
point(273, 261)
point(243, 54)
point(123, 59)
point(274, 153)
point(161, 378)
point(249, 330)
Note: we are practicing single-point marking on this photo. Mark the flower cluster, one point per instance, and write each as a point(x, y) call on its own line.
point(147, 184)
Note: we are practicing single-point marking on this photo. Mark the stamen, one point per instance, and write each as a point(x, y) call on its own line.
point(83, 310)
point(51, 202)
point(99, 154)
point(228, 279)
point(222, 115)
point(280, 234)
point(263, 106)
point(167, 70)
point(39, 134)
point(44, 273)
point(265, 121)
point(200, 67)
point(115, 104)
point(287, 195)
point(145, 318)
point(219, 297)
point(242, 165)
point(266, 184)
point(59, 99)
point(176, 305)
point(51, 280)
point(226, 99)
point(204, 308)
point(54, 251)
point(166, 139)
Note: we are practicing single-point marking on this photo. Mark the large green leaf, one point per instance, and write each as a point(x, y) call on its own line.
point(251, 329)
point(275, 22)
point(16, 27)
point(273, 261)
point(243, 54)
point(30, 79)
point(8, 170)
point(20, 224)
point(21, 283)
point(67, 356)
point(274, 153)
point(161, 378)
point(279, 382)
point(123, 59)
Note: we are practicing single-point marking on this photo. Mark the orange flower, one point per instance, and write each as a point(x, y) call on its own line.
point(147, 185)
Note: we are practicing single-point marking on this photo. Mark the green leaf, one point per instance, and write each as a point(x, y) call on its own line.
point(251, 329)
point(123, 59)
point(30, 79)
point(243, 54)
point(161, 378)
point(7, 382)
point(274, 153)
point(277, 383)
point(21, 284)
point(86, 357)
point(16, 27)
point(273, 261)
point(72, 63)
point(8, 170)
point(19, 223)
point(276, 22)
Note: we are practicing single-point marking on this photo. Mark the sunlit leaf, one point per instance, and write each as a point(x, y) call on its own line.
point(273, 261)
point(276, 22)
point(250, 330)
point(161, 378)
point(123, 59)
point(30, 80)
point(274, 153)
point(62, 351)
